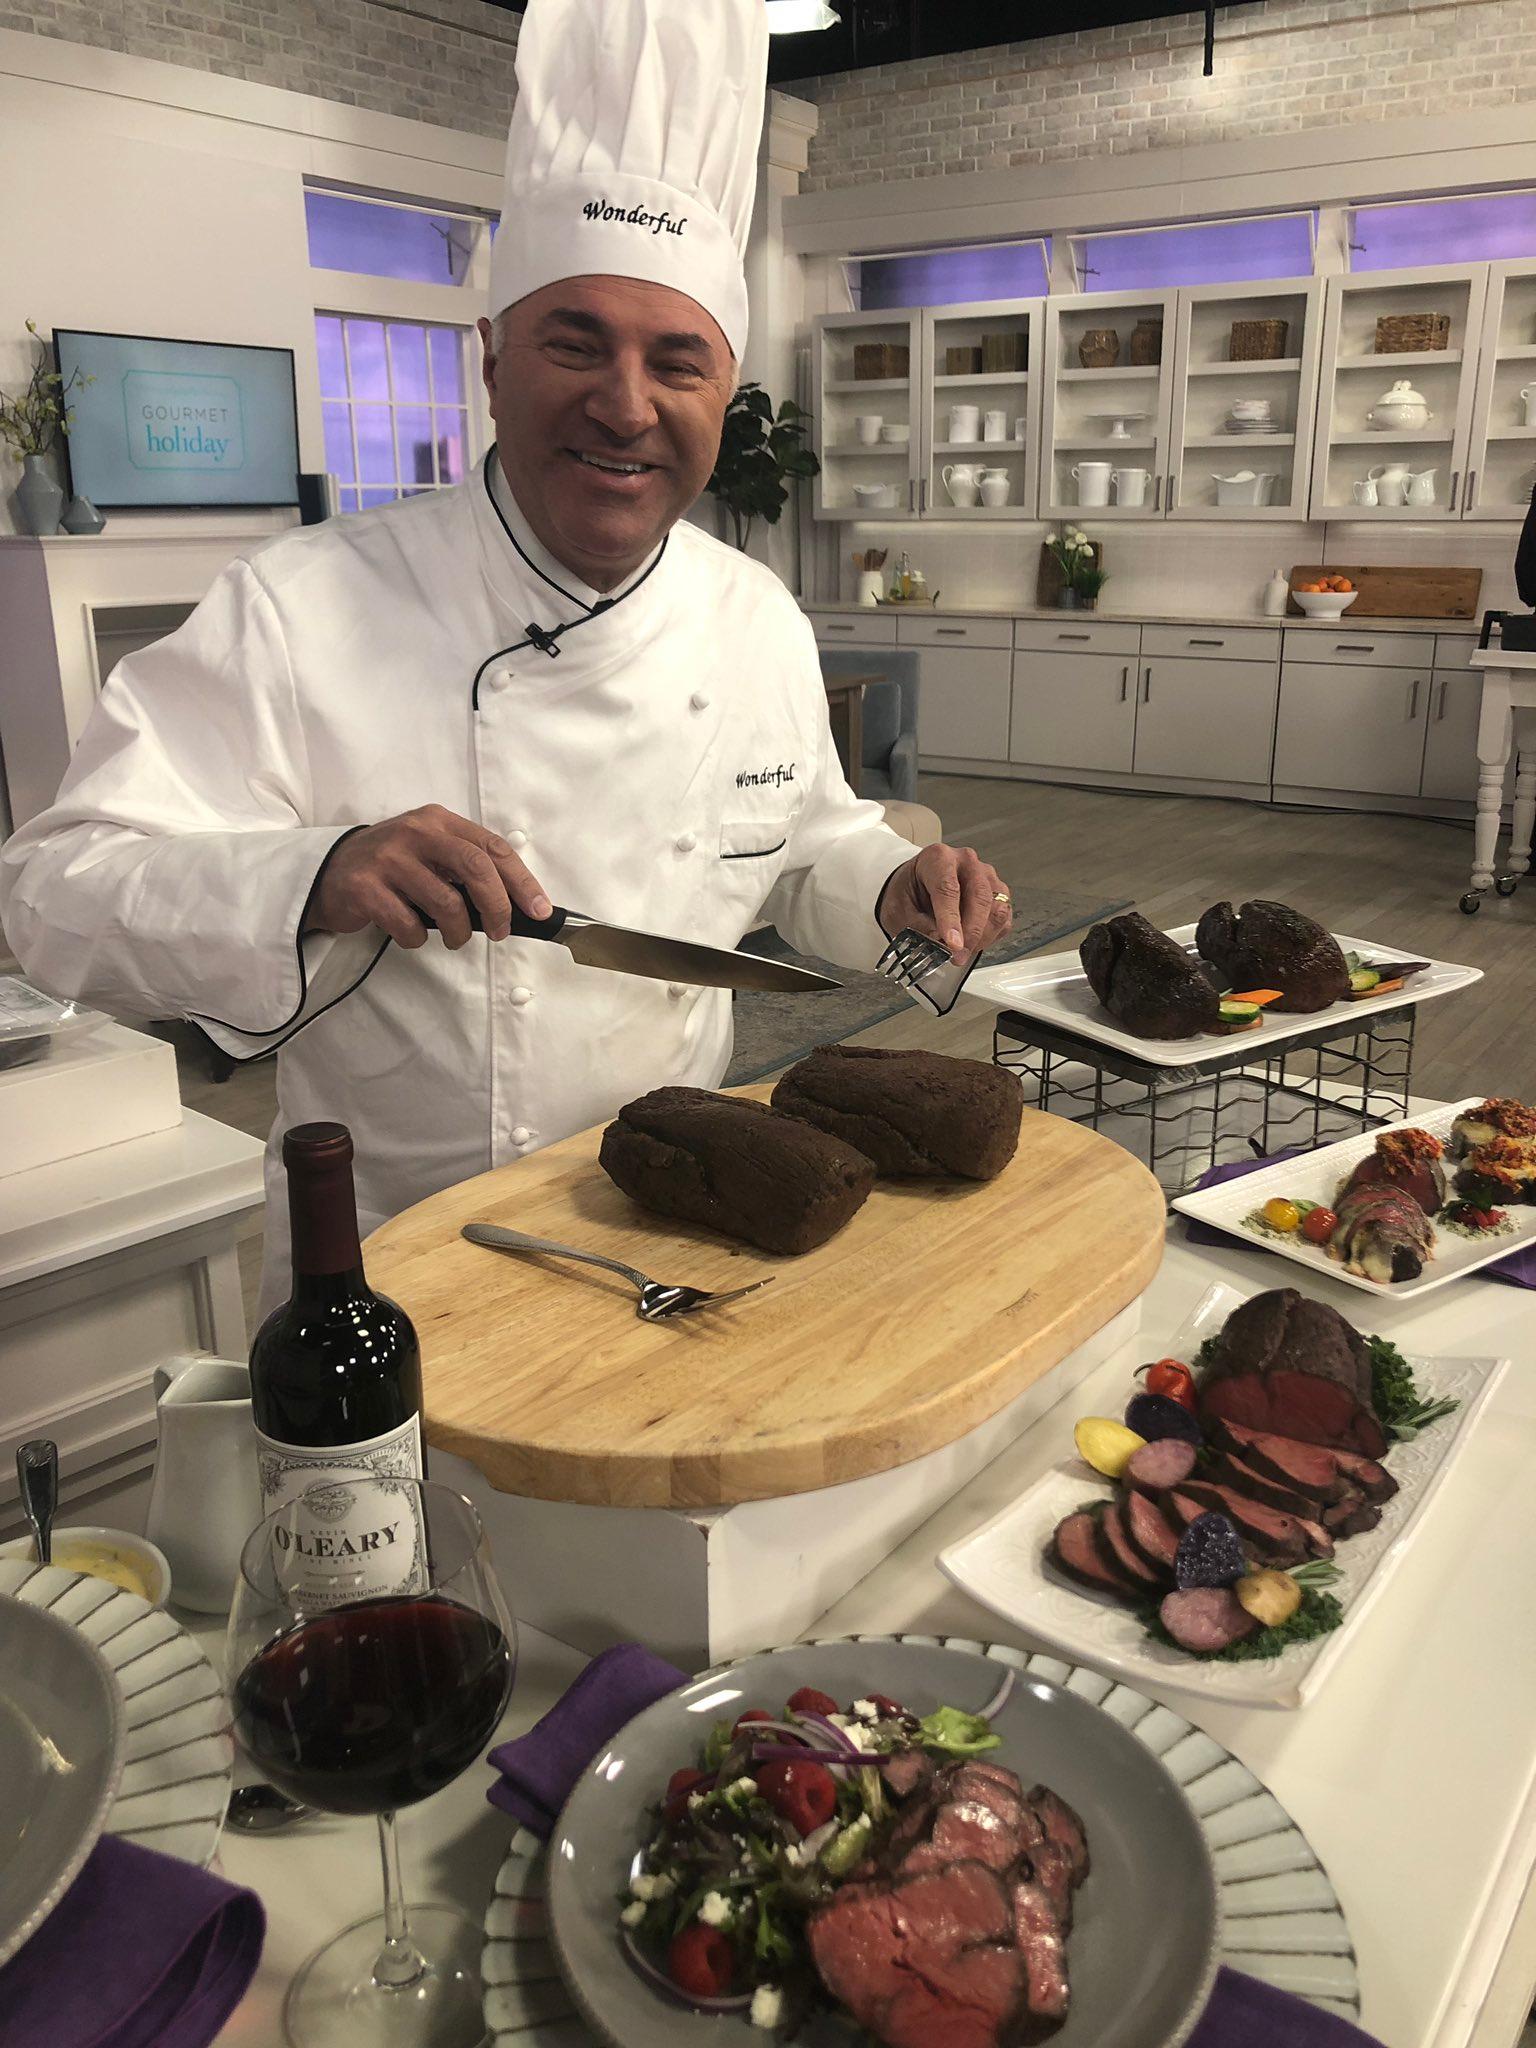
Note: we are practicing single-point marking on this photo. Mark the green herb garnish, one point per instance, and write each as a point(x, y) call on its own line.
point(1318, 1615)
point(956, 1733)
point(1205, 1354)
point(1395, 1395)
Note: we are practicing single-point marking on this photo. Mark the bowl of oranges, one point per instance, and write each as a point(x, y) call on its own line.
point(1326, 597)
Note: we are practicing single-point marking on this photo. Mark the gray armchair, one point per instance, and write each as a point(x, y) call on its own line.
point(890, 717)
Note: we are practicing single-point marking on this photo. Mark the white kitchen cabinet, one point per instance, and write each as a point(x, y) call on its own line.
point(1347, 728)
point(887, 472)
point(1450, 741)
point(1502, 455)
point(1203, 717)
point(963, 703)
point(1074, 711)
point(1207, 382)
point(1354, 378)
point(1081, 404)
point(1010, 329)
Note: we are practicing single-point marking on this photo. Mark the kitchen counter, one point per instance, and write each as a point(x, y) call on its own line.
point(1148, 615)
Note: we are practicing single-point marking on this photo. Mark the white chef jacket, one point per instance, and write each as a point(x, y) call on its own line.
point(670, 767)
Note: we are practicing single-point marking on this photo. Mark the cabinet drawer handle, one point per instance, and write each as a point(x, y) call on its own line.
point(1354, 647)
point(830, 626)
point(1074, 636)
point(1146, 684)
point(1157, 501)
point(1413, 700)
point(1207, 643)
point(1471, 490)
point(1173, 488)
point(1125, 682)
point(1455, 480)
point(1440, 713)
point(950, 632)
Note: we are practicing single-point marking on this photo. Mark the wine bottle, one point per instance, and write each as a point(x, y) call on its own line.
point(336, 1376)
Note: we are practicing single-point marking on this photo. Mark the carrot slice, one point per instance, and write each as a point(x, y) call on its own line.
point(1261, 996)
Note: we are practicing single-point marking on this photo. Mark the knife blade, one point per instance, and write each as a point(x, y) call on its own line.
point(655, 957)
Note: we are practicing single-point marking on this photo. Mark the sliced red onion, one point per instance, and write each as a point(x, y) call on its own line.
point(839, 1737)
point(1001, 1697)
point(811, 1845)
point(658, 1979)
point(777, 1753)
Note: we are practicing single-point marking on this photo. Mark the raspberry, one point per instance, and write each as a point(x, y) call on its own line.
point(701, 1961)
point(802, 1794)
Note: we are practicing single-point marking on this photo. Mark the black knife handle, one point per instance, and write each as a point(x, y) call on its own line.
point(523, 926)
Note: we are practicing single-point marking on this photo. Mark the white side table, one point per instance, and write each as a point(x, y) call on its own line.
point(1507, 722)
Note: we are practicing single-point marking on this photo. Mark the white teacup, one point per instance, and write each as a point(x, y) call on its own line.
point(1131, 486)
point(964, 422)
point(867, 426)
point(1092, 480)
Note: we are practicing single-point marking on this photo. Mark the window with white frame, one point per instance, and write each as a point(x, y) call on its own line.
point(394, 395)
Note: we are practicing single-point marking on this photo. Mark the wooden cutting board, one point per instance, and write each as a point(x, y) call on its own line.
point(926, 1314)
point(1404, 592)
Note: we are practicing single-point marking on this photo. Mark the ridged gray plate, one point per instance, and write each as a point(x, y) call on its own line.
point(1280, 1917)
point(178, 1754)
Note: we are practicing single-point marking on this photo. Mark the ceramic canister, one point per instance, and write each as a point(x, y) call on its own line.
point(964, 422)
point(1131, 486)
point(995, 427)
point(1092, 480)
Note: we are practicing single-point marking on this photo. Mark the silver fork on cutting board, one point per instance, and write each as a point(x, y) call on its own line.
point(657, 1303)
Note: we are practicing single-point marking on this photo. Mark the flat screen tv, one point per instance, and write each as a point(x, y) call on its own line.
point(178, 423)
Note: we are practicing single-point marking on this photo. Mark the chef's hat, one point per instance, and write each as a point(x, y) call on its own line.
point(633, 149)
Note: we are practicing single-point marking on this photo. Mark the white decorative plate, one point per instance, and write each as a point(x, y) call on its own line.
point(1316, 1177)
point(1281, 1918)
point(1054, 988)
point(1003, 1563)
point(178, 1754)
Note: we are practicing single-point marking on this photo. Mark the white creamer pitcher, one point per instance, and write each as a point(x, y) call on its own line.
point(205, 1499)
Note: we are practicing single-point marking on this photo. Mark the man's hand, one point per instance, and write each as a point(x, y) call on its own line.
point(390, 874)
point(948, 893)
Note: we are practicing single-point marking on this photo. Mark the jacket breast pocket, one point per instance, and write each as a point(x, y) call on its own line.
point(753, 839)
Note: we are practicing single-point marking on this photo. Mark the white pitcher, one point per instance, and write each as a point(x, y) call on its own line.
point(1391, 481)
point(1421, 488)
point(205, 1499)
point(962, 480)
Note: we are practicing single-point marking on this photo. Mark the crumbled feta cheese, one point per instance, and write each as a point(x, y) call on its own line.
point(744, 1788)
point(696, 1800)
point(646, 1886)
point(795, 1855)
point(716, 1910)
point(860, 1736)
point(767, 2006)
point(866, 1710)
point(633, 1913)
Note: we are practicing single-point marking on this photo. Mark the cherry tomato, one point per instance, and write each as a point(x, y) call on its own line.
point(809, 1701)
point(1280, 1214)
point(1172, 1377)
point(680, 1786)
point(1318, 1225)
point(701, 1961)
point(802, 1794)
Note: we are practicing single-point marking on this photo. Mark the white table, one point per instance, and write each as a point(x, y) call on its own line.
point(1506, 721)
point(1413, 1772)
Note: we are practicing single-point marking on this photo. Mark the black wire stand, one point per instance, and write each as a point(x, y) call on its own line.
point(1334, 1081)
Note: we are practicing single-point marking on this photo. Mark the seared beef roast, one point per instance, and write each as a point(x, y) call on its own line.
point(1146, 981)
point(1269, 945)
point(1293, 1367)
point(915, 1114)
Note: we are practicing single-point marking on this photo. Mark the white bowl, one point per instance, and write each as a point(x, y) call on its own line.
point(70, 1541)
point(900, 435)
point(1325, 604)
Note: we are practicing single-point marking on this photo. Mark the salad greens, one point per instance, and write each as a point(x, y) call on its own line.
point(953, 1733)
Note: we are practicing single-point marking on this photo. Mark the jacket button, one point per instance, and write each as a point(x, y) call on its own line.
point(674, 989)
point(517, 839)
point(686, 842)
point(521, 1134)
point(521, 996)
point(699, 701)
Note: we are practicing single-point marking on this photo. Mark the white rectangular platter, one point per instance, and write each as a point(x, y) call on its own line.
point(1004, 1564)
point(1053, 988)
point(1316, 1176)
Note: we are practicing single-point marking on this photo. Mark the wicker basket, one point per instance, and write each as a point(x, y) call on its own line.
point(1099, 349)
point(1404, 334)
point(1259, 341)
point(962, 362)
point(874, 359)
point(1146, 343)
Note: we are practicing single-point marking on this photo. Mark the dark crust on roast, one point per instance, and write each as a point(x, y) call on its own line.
point(1146, 980)
point(1269, 945)
point(735, 1166)
point(915, 1114)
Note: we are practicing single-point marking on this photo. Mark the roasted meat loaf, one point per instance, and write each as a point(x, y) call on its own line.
point(912, 1113)
point(735, 1166)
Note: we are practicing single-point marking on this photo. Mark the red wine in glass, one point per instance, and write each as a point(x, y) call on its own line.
point(374, 1706)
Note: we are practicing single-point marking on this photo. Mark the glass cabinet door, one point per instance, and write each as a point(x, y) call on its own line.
point(867, 431)
point(1108, 380)
point(1501, 459)
point(1244, 398)
point(980, 410)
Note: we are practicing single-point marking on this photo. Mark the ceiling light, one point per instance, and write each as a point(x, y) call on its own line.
point(796, 17)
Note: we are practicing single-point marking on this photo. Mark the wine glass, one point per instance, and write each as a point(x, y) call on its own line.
point(371, 1656)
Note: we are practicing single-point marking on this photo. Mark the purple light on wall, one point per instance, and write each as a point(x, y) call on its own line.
point(952, 277)
point(386, 241)
point(1210, 252)
point(1480, 229)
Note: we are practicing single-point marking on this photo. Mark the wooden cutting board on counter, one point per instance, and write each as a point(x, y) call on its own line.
point(930, 1310)
point(1404, 592)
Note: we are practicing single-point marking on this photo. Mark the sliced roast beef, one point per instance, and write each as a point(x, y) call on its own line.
point(1206, 1619)
point(1299, 1404)
point(1063, 1827)
point(1124, 1554)
point(1053, 1868)
point(1311, 1470)
point(1373, 1480)
point(1269, 1535)
point(1351, 1517)
point(1149, 1529)
point(927, 1961)
point(1076, 1550)
point(1282, 1330)
point(1041, 1940)
point(1156, 1466)
point(909, 1771)
point(965, 1829)
point(1181, 1510)
point(1274, 1493)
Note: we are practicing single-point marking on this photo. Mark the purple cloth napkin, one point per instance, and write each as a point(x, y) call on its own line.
point(1518, 1268)
point(142, 1951)
point(539, 1770)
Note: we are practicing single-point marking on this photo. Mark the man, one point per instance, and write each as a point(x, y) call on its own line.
point(544, 686)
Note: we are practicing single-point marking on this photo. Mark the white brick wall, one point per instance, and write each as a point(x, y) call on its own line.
point(450, 64)
point(1280, 66)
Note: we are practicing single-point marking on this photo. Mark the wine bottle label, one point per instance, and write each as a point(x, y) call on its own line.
point(350, 1542)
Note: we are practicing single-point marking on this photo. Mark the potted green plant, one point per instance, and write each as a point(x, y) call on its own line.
point(29, 424)
point(1079, 568)
point(760, 449)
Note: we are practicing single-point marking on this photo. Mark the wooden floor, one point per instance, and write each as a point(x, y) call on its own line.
point(1397, 880)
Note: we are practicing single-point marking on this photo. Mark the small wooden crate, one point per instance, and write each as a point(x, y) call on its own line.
point(1401, 334)
point(962, 362)
point(879, 359)
point(1004, 352)
point(1259, 341)
point(1146, 343)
